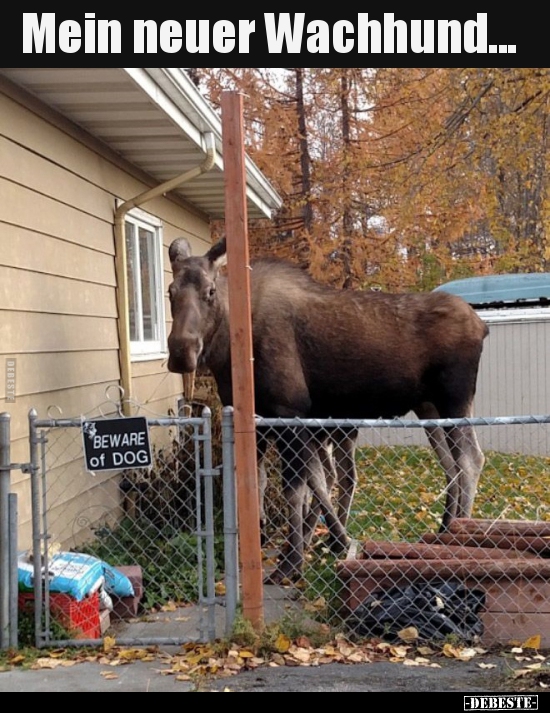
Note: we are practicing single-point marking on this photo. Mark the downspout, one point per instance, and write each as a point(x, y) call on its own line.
point(121, 263)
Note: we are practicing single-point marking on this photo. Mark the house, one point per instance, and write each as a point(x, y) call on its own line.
point(100, 169)
point(514, 373)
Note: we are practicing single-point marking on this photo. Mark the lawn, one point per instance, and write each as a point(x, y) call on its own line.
point(400, 492)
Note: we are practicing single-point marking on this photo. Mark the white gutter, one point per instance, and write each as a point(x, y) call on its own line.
point(172, 90)
point(121, 262)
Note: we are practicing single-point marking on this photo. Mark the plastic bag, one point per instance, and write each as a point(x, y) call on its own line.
point(76, 574)
point(436, 609)
point(117, 583)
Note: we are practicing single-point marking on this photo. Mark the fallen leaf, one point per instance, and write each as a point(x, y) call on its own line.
point(521, 672)
point(302, 655)
point(134, 655)
point(283, 643)
point(108, 644)
point(316, 606)
point(399, 651)
point(467, 654)
point(108, 676)
point(454, 652)
point(169, 606)
point(246, 654)
point(533, 642)
point(57, 654)
point(425, 650)
point(16, 660)
point(45, 663)
point(487, 665)
point(409, 634)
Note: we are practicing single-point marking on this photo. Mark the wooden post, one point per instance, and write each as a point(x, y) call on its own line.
point(240, 323)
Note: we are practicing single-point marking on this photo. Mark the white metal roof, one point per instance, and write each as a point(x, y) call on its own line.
point(154, 118)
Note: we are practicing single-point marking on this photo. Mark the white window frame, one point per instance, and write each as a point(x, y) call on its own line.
point(144, 350)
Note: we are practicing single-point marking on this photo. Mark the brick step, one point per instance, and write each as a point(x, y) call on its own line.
point(534, 545)
point(409, 569)
point(514, 528)
point(508, 560)
point(373, 549)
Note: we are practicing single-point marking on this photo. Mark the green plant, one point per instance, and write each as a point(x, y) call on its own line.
point(293, 625)
point(168, 559)
point(26, 633)
point(243, 632)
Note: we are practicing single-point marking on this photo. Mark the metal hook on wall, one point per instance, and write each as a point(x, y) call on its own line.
point(116, 401)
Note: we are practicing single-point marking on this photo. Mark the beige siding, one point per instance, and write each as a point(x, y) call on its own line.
point(25, 291)
point(57, 257)
point(47, 332)
point(514, 380)
point(58, 310)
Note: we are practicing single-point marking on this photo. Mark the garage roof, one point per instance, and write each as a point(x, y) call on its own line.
point(515, 290)
point(156, 119)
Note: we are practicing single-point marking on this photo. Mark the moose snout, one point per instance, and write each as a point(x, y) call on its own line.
point(184, 353)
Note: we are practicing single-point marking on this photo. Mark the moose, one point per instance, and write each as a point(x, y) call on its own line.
point(326, 353)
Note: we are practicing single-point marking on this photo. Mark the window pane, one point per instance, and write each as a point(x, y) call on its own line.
point(148, 285)
point(133, 287)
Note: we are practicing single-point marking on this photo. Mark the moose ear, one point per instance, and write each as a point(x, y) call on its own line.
point(179, 250)
point(217, 255)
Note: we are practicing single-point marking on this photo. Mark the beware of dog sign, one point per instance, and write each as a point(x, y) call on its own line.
point(116, 443)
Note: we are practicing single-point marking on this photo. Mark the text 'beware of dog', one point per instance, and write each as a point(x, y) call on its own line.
point(117, 443)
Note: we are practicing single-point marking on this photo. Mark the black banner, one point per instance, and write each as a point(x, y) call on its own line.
point(361, 37)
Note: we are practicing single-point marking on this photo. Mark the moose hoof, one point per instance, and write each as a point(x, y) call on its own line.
point(338, 546)
point(282, 578)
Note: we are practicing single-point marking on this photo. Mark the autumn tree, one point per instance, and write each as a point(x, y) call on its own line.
point(399, 178)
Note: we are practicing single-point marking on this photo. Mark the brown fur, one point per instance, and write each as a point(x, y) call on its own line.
point(320, 352)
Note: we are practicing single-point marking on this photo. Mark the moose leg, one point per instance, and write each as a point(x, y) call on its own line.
point(346, 473)
point(469, 460)
point(337, 457)
point(325, 462)
point(290, 444)
point(262, 485)
point(317, 481)
point(438, 441)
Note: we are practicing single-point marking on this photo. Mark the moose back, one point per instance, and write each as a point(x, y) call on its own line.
point(321, 352)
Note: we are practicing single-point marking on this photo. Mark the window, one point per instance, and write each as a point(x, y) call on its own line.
point(145, 285)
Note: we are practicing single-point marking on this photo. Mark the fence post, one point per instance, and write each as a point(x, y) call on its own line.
point(36, 534)
point(229, 520)
point(5, 578)
point(14, 578)
point(209, 523)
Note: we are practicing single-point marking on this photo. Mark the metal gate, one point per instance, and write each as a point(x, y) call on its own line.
point(159, 532)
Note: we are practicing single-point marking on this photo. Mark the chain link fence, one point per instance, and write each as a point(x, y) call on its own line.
point(157, 534)
point(484, 579)
point(351, 533)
